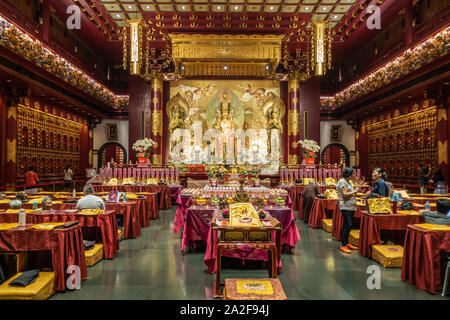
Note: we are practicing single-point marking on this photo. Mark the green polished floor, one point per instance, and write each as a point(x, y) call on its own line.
point(151, 267)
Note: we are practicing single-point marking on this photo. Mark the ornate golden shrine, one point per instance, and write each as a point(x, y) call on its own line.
point(226, 55)
point(46, 141)
point(401, 144)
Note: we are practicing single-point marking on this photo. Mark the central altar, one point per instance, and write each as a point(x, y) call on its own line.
point(225, 122)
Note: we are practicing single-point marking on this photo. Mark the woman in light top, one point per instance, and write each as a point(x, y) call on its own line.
point(347, 205)
point(68, 173)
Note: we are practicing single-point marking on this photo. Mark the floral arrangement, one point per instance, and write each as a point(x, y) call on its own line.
point(412, 59)
point(310, 147)
point(144, 146)
point(34, 51)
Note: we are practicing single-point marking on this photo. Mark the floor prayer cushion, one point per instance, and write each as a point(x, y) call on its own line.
point(327, 224)
point(388, 255)
point(353, 237)
point(94, 255)
point(253, 289)
point(41, 289)
point(120, 234)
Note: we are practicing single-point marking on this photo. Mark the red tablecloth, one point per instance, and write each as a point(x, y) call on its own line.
point(338, 221)
point(290, 235)
point(372, 225)
point(183, 203)
point(319, 211)
point(106, 222)
point(129, 210)
point(196, 224)
point(66, 246)
point(244, 252)
point(422, 257)
point(165, 201)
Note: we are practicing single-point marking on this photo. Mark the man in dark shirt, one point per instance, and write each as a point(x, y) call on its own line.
point(308, 194)
point(441, 215)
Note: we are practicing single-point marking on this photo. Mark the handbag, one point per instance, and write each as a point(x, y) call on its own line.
point(406, 205)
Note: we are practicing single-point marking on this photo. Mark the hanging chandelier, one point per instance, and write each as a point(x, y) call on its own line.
point(319, 49)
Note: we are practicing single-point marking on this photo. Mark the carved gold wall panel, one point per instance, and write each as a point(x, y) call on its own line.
point(401, 144)
point(47, 142)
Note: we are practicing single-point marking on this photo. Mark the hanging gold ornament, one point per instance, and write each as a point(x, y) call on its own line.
point(319, 59)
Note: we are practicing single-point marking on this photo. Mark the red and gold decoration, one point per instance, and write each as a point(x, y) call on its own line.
point(34, 51)
point(132, 49)
point(48, 142)
point(399, 145)
point(157, 119)
point(293, 119)
point(319, 51)
point(412, 59)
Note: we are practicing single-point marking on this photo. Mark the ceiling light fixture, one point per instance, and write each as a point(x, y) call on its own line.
point(225, 67)
point(218, 7)
point(271, 8)
point(183, 7)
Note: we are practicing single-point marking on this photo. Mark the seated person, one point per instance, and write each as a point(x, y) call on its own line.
point(394, 195)
point(21, 196)
point(46, 203)
point(89, 201)
point(308, 194)
point(439, 217)
point(15, 204)
point(2, 195)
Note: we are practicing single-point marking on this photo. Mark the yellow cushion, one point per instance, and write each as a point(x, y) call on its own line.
point(327, 224)
point(94, 255)
point(41, 289)
point(7, 226)
point(388, 255)
point(434, 227)
point(353, 237)
point(410, 212)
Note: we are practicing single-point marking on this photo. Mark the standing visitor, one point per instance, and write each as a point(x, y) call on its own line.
point(347, 205)
point(439, 180)
point(380, 189)
point(31, 179)
point(68, 173)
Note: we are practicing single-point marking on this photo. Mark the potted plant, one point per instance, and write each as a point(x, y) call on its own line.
point(310, 148)
point(143, 147)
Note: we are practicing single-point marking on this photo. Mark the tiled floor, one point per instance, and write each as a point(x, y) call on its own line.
point(151, 267)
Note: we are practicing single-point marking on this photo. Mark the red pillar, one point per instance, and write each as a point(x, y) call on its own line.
point(45, 16)
point(362, 151)
point(85, 150)
point(3, 129)
point(157, 120)
point(310, 110)
point(139, 116)
point(293, 122)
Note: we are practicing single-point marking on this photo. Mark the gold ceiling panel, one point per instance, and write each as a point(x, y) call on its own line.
point(112, 7)
point(306, 9)
point(226, 53)
point(342, 9)
point(201, 8)
point(271, 8)
point(130, 7)
point(165, 7)
point(183, 7)
point(319, 17)
point(148, 7)
point(253, 8)
point(324, 9)
point(288, 8)
point(310, 1)
point(292, 1)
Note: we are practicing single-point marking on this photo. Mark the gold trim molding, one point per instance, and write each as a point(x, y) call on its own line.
point(293, 122)
point(157, 122)
point(442, 152)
